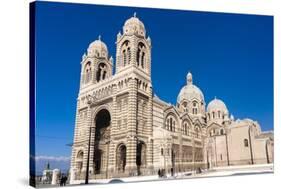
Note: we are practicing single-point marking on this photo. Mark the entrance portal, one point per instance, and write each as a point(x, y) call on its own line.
point(102, 137)
point(121, 158)
point(141, 156)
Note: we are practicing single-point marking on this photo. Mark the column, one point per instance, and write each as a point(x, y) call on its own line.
point(73, 155)
point(112, 150)
point(131, 130)
point(150, 129)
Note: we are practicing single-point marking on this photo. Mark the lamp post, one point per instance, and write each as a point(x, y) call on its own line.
point(107, 143)
point(215, 139)
point(88, 158)
point(250, 141)
point(227, 153)
point(266, 151)
point(89, 102)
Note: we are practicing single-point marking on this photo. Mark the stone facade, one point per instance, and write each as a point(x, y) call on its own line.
point(123, 129)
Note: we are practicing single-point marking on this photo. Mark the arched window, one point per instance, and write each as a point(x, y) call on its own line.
point(126, 53)
point(129, 55)
point(246, 143)
point(102, 72)
point(197, 132)
point(162, 152)
point(221, 132)
point(124, 57)
point(184, 106)
point(209, 116)
point(170, 123)
point(141, 56)
point(79, 158)
point(195, 108)
point(213, 115)
point(88, 73)
point(219, 114)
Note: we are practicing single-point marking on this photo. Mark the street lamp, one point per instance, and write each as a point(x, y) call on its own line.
point(107, 143)
point(250, 141)
point(227, 153)
point(89, 102)
point(88, 157)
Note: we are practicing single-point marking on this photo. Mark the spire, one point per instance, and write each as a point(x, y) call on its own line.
point(189, 78)
point(48, 166)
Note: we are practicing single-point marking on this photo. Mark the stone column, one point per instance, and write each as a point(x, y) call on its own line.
point(131, 130)
point(150, 129)
point(112, 151)
point(180, 162)
point(73, 154)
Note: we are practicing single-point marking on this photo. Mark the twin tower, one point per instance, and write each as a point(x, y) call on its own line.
point(133, 50)
point(113, 129)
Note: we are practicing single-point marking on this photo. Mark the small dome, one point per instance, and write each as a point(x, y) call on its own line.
point(134, 26)
point(190, 91)
point(98, 49)
point(217, 105)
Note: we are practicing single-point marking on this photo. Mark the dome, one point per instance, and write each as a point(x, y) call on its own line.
point(190, 91)
point(98, 48)
point(134, 26)
point(216, 105)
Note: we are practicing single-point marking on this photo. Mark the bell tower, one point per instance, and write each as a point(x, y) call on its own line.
point(96, 64)
point(133, 64)
point(133, 47)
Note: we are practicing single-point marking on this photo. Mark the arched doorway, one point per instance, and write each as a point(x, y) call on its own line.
point(121, 158)
point(141, 156)
point(102, 137)
point(79, 160)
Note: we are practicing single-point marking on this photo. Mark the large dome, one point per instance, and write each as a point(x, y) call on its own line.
point(97, 48)
point(190, 92)
point(134, 26)
point(217, 105)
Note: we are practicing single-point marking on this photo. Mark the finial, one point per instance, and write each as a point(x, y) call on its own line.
point(99, 37)
point(135, 14)
point(215, 97)
point(189, 78)
point(149, 40)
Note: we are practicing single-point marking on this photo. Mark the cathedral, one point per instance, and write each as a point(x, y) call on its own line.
point(123, 129)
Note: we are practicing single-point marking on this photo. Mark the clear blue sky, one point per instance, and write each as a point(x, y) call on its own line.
point(229, 55)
